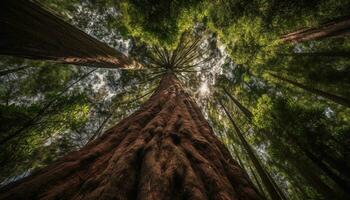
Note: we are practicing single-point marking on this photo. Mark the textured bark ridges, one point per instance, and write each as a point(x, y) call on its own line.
point(29, 31)
point(336, 28)
point(165, 150)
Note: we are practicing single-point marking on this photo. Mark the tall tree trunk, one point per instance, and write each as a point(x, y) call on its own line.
point(336, 28)
point(307, 172)
point(100, 128)
point(272, 190)
point(47, 105)
point(9, 71)
point(340, 180)
point(236, 154)
point(257, 181)
point(165, 150)
point(337, 99)
point(313, 179)
point(29, 31)
point(337, 54)
point(244, 110)
point(293, 178)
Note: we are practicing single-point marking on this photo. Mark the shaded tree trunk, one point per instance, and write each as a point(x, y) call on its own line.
point(337, 99)
point(257, 181)
point(165, 150)
point(270, 187)
point(100, 128)
point(336, 28)
point(244, 110)
point(315, 179)
point(29, 31)
point(9, 71)
point(340, 180)
point(307, 166)
point(44, 110)
point(337, 54)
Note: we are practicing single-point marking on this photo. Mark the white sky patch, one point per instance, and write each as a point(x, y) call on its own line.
point(100, 82)
point(215, 69)
point(96, 27)
point(204, 89)
point(329, 112)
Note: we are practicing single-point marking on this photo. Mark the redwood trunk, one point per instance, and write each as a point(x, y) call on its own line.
point(165, 150)
point(337, 99)
point(9, 71)
point(336, 54)
point(272, 189)
point(336, 28)
point(29, 31)
point(244, 110)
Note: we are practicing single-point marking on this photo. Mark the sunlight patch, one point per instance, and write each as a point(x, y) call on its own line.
point(204, 89)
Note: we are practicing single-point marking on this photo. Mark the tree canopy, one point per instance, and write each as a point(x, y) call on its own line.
point(271, 77)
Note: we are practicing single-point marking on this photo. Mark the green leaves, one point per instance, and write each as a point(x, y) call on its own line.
point(262, 113)
point(159, 22)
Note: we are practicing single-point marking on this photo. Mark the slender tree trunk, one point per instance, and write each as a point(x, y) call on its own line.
point(337, 99)
point(31, 122)
point(338, 179)
point(239, 158)
point(295, 180)
point(308, 173)
point(273, 192)
point(337, 54)
point(244, 110)
point(314, 180)
point(336, 28)
point(243, 167)
point(9, 71)
point(257, 181)
point(165, 150)
point(29, 31)
point(100, 128)
point(329, 156)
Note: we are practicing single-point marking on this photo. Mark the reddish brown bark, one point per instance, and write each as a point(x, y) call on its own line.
point(30, 31)
point(165, 150)
point(336, 28)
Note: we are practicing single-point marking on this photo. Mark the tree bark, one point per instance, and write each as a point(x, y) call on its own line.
point(30, 31)
point(306, 174)
point(100, 128)
point(32, 121)
point(339, 180)
point(257, 181)
point(165, 150)
point(272, 190)
point(336, 54)
point(244, 110)
point(313, 179)
point(9, 71)
point(336, 28)
point(337, 99)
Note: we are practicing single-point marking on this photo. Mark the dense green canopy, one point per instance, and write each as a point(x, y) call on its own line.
point(290, 99)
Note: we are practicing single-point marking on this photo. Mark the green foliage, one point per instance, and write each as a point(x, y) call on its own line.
point(305, 132)
point(53, 117)
point(37, 133)
point(160, 22)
